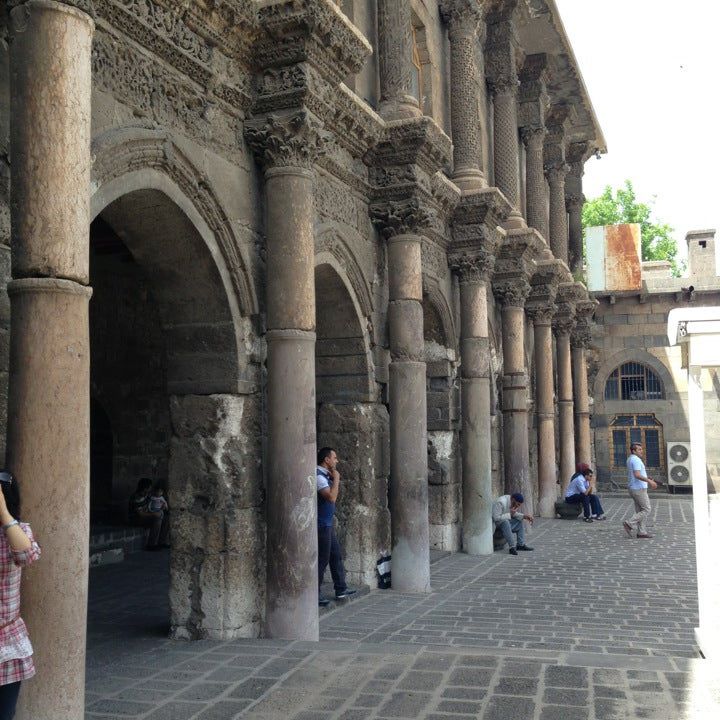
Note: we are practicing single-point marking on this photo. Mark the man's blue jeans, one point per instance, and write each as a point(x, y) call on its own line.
point(591, 504)
point(329, 552)
point(508, 527)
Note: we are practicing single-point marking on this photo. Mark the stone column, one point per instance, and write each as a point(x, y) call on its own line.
point(399, 222)
point(535, 186)
point(396, 60)
point(473, 270)
point(288, 145)
point(580, 341)
point(541, 316)
point(558, 212)
point(574, 204)
point(563, 327)
point(512, 295)
point(502, 49)
point(49, 405)
point(463, 17)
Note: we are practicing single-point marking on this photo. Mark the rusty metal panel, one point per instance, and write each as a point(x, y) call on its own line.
point(622, 257)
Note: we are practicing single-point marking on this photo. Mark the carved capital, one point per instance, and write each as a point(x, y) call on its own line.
point(581, 335)
point(462, 17)
point(503, 54)
point(556, 173)
point(574, 202)
point(472, 267)
point(401, 217)
point(533, 137)
point(563, 322)
point(294, 139)
point(512, 292)
point(540, 314)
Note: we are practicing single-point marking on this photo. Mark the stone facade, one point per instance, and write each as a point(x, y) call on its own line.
point(631, 327)
point(302, 231)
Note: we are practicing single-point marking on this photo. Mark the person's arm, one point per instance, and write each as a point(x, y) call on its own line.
point(331, 493)
point(497, 512)
point(645, 478)
point(20, 539)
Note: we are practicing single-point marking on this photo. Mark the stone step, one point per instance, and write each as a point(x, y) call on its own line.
point(109, 537)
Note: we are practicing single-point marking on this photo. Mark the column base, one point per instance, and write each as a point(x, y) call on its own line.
point(400, 109)
point(515, 222)
point(470, 180)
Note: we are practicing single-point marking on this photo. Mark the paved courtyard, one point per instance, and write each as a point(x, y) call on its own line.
point(591, 626)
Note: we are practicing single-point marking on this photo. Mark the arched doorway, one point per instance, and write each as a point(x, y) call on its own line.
point(351, 419)
point(181, 398)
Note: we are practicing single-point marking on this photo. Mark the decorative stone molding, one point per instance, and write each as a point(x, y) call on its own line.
point(517, 256)
point(472, 267)
point(533, 99)
point(545, 281)
point(558, 122)
point(294, 139)
point(503, 54)
point(310, 31)
point(540, 314)
point(126, 150)
point(401, 217)
point(463, 17)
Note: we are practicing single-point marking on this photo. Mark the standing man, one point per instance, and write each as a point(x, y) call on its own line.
point(638, 482)
point(507, 515)
point(329, 551)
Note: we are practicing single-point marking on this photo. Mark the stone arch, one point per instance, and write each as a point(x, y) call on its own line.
point(633, 355)
point(133, 158)
point(165, 223)
point(437, 311)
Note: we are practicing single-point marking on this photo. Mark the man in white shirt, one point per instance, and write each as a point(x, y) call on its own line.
point(580, 491)
point(507, 516)
point(638, 482)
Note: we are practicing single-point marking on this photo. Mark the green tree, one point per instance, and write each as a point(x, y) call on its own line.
point(622, 206)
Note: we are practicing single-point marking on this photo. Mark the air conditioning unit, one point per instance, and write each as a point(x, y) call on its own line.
point(678, 465)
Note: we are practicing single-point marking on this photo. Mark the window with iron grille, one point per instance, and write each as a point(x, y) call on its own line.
point(643, 429)
point(633, 381)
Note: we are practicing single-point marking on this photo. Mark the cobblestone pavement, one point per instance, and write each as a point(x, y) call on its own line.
point(591, 626)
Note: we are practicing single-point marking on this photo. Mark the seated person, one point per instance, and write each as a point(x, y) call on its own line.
point(140, 514)
point(580, 490)
point(507, 516)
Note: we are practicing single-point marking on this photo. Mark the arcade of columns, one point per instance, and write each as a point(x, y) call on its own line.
point(521, 258)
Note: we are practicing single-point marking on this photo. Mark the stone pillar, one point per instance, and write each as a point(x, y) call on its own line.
point(49, 403)
point(536, 200)
point(502, 49)
point(574, 201)
point(399, 222)
point(396, 60)
point(512, 294)
point(473, 270)
point(580, 341)
point(563, 326)
point(558, 212)
point(463, 17)
point(288, 145)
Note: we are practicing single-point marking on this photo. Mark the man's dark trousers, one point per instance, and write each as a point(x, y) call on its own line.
point(329, 552)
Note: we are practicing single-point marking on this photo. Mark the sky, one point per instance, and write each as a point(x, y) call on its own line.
point(652, 69)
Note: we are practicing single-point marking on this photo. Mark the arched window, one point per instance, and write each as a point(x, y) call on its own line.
point(643, 429)
point(633, 381)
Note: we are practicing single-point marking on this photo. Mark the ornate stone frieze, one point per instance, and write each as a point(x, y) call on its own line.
point(564, 320)
point(313, 31)
point(164, 97)
point(417, 141)
point(445, 193)
point(517, 255)
point(503, 53)
point(402, 217)
point(294, 139)
point(475, 223)
point(334, 201)
point(434, 259)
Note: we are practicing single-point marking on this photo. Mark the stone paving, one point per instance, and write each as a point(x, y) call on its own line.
point(592, 625)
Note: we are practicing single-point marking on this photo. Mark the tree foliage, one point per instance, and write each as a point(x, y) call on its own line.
point(622, 206)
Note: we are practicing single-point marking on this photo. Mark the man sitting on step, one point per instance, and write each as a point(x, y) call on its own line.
point(507, 515)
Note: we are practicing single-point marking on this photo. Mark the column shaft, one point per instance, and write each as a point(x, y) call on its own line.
point(292, 590)
point(565, 407)
point(49, 406)
point(582, 407)
point(464, 109)
point(558, 214)
point(575, 233)
point(396, 59)
point(535, 185)
point(476, 429)
point(515, 403)
point(547, 469)
point(507, 150)
point(408, 419)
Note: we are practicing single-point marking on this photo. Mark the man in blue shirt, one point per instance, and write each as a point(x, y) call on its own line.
point(329, 551)
point(638, 482)
point(580, 491)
